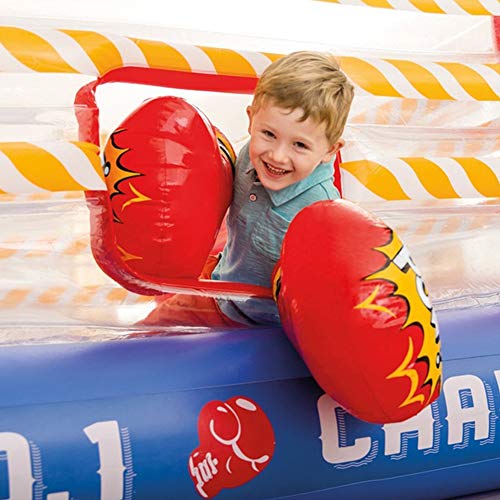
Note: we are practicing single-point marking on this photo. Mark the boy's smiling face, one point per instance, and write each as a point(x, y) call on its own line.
point(283, 149)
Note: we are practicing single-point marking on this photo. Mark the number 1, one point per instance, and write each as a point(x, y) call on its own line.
point(107, 437)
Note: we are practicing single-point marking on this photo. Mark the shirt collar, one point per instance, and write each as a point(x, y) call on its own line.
point(321, 173)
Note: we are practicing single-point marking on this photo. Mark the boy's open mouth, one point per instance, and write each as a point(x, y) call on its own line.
point(274, 170)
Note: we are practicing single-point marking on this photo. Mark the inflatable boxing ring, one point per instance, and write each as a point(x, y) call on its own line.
point(95, 407)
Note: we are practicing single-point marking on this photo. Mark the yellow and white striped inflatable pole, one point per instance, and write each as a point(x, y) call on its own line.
point(94, 53)
point(28, 167)
point(467, 7)
point(420, 178)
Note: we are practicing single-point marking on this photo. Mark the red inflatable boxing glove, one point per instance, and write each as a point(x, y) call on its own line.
point(169, 177)
point(354, 305)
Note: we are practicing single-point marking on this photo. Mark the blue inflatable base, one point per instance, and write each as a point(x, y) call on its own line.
point(121, 419)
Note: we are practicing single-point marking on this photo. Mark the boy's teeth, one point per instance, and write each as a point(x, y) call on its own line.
point(275, 170)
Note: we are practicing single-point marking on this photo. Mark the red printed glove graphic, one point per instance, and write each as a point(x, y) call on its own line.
point(236, 444)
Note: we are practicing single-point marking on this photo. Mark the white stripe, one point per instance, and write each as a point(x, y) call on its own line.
point(61, 243)
point(489, 74)
point(397, 79)
point(9, 64)
point(75, 162)
point(458, 150)
point(409, 229)
point(488, 147)
point(422, 110)
point(353, 190)
point(451, 7)
point(360, 91)
point(458, 178)
point(403, 5)
point(258, 61)
point(464, 224)
point(448, 6)
point(492, 6)
point(437, 226)
point(130, 52)
point(370, 111)
point(352, 2)
point(69, 50)
point(197, 59)
point(395, 112)
point(370, 115)
point(407, 178)
point(448, 82)
point(11, 179)
point(494, 164)
point(67, 295)
point(354, 151)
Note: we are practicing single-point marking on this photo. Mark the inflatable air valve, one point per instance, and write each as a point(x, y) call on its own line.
point(355, 307)
point(169, 177)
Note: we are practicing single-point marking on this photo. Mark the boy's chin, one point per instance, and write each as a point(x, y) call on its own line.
point(275, 185)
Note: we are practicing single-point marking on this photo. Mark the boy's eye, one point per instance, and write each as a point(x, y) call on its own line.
point(268, 133)
point(301, 145)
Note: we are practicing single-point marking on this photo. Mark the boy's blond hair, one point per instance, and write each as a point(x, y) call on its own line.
point(313, 82)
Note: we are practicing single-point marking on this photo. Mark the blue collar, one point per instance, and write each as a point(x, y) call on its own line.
point(322, 173)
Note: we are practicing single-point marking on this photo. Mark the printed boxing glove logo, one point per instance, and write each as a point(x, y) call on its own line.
point(236, 444)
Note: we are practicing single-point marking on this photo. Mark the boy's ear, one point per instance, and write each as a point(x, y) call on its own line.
point(250, 115)
point(331, 152)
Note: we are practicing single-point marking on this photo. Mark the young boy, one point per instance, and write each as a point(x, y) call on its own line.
point(296, 120)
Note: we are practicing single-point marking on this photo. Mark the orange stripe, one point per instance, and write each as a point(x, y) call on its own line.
point(77, 247)
point(473, 7)
point(162, 56)
point(13, 298)
point(34, 254)
point(100, 50)
point(368, 77)
point(143, 299)
point(51, 296)
point(39, 166)
point(117, 295)
point(432, 177)
point(428, 6)
point(10, 248)
point(452, 224)
point(378, 3)
point(73, 195)
point(39, 196)
point(481, 176)
point(33, 51)
point(473, 83)
point(376, 178)
point(421, 79)
point(229, 62)
point(85, 296)
point(6, 196)
point(272, 56)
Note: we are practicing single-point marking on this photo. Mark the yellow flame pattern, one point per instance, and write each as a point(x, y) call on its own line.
point(402, 272)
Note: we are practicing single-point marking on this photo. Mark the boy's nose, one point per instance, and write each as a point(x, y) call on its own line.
point(278, 154)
